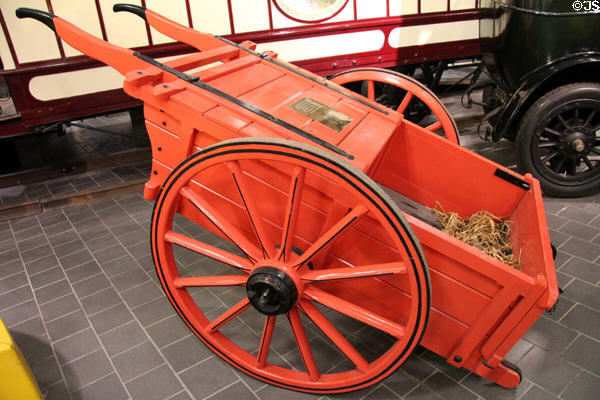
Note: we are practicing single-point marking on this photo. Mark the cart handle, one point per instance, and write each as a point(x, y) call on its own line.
point(199, 40)
point(119, 58)
point(203, 41)
point(42, 16)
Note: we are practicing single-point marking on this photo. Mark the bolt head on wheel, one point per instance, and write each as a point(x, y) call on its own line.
point(271, 291)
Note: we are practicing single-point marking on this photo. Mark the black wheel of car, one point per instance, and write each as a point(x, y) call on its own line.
point(559, 140)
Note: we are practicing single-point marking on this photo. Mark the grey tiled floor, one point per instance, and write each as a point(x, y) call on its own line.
point(79, 295)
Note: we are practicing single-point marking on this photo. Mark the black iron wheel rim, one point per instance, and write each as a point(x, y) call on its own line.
point(566, 146)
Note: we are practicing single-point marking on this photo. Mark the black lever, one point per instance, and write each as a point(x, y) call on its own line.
point(132, 8)
point(42, 16)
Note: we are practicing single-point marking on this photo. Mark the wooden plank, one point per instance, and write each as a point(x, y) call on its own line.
point(412, 207)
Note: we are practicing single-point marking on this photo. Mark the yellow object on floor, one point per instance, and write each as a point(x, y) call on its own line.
point(16, 379)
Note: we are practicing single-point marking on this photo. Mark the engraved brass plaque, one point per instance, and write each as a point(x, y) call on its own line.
point(321, 113)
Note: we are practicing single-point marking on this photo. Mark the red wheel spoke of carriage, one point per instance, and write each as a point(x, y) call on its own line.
point(414, 90)
point(266, 197)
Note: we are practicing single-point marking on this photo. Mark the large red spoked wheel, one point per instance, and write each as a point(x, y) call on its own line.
point(399, 91)
point(290, 264)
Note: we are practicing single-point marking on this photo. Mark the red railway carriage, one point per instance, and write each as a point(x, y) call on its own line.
point(306, 202)
point(57, 83)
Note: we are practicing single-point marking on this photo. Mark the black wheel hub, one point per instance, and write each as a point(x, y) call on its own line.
point(577, 142)
point(271, 291)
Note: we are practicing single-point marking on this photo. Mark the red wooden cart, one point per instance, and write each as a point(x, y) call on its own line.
point(319, 196)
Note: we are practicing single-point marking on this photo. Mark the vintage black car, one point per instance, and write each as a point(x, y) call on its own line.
point(544, 61)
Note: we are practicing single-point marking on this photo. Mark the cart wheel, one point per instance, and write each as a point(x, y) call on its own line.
point(559, 140)
point(398, 91)
point(305, 274)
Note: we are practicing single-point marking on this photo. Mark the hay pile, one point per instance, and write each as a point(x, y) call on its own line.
point(482, 230)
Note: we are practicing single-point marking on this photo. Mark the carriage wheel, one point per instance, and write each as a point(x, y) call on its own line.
point(305, 274)
point(402, 93)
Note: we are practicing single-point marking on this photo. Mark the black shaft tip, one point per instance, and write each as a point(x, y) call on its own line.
point(132, 8)
point(42, 16)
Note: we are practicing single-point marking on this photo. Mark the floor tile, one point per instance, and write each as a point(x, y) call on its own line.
point(129, 279)
point(15, 297)
point(119, 265)
point(76, 346)
point(83, 271)
point(581, 387)
point(20, 313)
point(582, 269)
point(585, 319)
point(67, 325)
point(237, 391)
point(52, 291)
point(422, 392)
point(91, 285)
point(168, 330)
point(212, 370)
point(87, 369)
point(550, 335)
point(32, 243)
point(123, 337)
point(109, 387)
point(58, 391)
point(400, 382)
point(110, 318)
point(584, 353)
point(13, 282)
point(447, 388)
point(583, 293)
point(186, 352)
point(537, 393)
point(137, 361)
point(73, 260)
point(46, 372)
point(547, 370)
point(141, 294)
point(157, 384)
point(586, 250)
point(47, 277)
point(35, 254)
point(154, 311)
point(100, 301)
point(61, 306)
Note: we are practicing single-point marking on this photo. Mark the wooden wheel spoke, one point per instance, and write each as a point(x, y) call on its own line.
point(550, 156)
point(248, 199)
point(405, 101)
point(332, 233)
point(265, 341)
point(371, 90)
point(334, 335)
point(229, 230)
point(291, 213)
point(354, 311)
point(305, 351)
point(563, 122)
point(590, 117)
point(553, 132)
point(199, 281)
point(433, 127)
point(547, 144)
point(588, 162)
point(208, 251)
point(230, 314)
point(558, 166)
point(366, 271)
